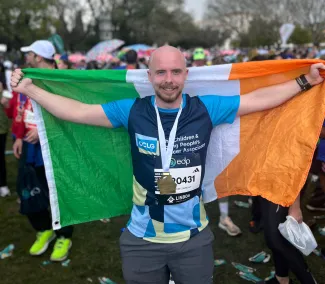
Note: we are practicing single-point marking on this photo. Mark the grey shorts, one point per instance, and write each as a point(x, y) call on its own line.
point(189, 262)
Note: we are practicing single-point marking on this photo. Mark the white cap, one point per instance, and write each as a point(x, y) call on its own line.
point(43, 48)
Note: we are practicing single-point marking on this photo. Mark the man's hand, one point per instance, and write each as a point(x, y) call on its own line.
point(296, 213)
point(32, 136)
point(18, 147)
point(18, 84)
point(313, 77)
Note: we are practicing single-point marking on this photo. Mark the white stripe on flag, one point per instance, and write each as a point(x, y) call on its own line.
point(223, 148)
point(224, 141)
point(48, 166)
point(209, 73)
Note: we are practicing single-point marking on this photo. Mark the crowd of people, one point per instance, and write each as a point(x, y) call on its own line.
point(16, 105)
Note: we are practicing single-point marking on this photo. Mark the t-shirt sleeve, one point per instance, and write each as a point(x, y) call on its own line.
point(118, 112)
point(222, 109)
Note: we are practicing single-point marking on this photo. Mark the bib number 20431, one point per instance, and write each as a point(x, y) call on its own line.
point(188, 179)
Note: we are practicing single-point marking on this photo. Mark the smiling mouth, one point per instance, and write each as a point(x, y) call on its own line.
point(169, 89)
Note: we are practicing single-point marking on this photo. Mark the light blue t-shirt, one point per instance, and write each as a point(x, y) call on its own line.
point(152, 219)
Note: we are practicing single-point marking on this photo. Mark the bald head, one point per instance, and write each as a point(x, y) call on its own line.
point(167, 74)
point(166, 52)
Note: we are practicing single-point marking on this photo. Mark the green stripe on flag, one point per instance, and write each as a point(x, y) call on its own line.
point(90, 166)
point(76, 75)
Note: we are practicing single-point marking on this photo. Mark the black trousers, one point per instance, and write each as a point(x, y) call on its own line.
point(3, 172)
point(286, 256)
point(41, 221)
point(256, 209)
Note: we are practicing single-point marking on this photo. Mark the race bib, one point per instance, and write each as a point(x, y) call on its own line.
point(186, 172)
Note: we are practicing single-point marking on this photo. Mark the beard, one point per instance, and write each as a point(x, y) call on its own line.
point(30, 65)
point(168, 98)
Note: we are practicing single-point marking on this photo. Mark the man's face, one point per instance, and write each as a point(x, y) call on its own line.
point(167, 75)
point(62, 65)
point(31, 59)
point(199, 63)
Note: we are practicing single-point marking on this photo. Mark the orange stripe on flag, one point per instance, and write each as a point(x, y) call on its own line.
point(276, 146)
point(255, 69)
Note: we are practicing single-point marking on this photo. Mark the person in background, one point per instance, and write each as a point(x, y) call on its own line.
point(317, 200)
point(143, 63)
point(131, 59)
point(199, 57)
point(27, 148)
point(4, 126)
point(82, 65)
point(64, 62)
point(275, 57)
point(92, 65)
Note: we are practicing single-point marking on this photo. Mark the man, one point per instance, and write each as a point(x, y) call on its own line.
point(168, 231)
point(317, 201)
point(4, 127)
point(131, 59)
point(64, 63)
point(199, 57)
point(38, 55)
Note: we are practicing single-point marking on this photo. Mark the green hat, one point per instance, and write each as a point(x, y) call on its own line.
point(199, 54)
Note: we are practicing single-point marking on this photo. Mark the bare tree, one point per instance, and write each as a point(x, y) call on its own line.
point(229, 14)
point(309, 14)
point(237, 15)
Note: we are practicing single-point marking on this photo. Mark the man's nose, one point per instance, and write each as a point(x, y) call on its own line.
point(168, 77)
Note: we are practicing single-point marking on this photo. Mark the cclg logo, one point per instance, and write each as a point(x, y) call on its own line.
point(147, 145)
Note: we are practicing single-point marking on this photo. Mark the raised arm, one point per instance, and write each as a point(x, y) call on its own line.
point(61, 107)
point(273, 96)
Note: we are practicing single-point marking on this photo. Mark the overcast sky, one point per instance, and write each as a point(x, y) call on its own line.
point(196, 5)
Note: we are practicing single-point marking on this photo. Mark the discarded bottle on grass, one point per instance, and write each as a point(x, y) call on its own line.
point(46, 262)
point(105, 280)
point(317, 252)
point(261, 257)
point(243, 268)
point(7, 252)
point(66, 263)
point(219, 262)
point(249, 277)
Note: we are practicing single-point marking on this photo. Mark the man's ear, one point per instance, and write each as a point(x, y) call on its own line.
point(38, 59)
point(149, 75)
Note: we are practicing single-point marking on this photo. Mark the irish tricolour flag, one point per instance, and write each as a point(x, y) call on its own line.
point(268, 153)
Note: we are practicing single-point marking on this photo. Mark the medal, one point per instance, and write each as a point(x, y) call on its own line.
point(166, 184)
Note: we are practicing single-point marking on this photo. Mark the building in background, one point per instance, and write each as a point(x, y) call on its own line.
point(105, 27)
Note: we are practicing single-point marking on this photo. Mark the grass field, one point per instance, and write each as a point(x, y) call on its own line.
point(95, 251)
